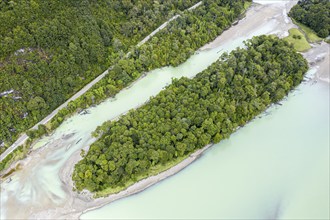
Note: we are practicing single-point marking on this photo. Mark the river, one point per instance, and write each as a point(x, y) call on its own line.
point(36, 191)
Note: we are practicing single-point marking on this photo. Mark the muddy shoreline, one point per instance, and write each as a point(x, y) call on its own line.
point(86, 203)
point(319, 57)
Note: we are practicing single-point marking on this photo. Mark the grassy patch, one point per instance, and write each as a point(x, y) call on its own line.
point(247, 5)
point(309, 33)
point(298, 40)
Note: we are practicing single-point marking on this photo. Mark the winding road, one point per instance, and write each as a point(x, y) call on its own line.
point(21, 140)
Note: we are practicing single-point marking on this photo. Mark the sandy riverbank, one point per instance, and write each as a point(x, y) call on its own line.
point(319, 57)
point(258, 16)
point(78, 204)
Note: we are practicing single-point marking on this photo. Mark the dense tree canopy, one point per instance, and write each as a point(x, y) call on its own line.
point(191, 113)
point(49, 49)
point(171, 46)
point(314, 14)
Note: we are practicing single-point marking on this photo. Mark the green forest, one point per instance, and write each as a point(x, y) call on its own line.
point(315, 14)
point(50, 49)
point(171, 46)
point(45, 58)
point(191, 113)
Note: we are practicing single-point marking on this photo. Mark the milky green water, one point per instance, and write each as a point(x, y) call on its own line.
point(275, 167)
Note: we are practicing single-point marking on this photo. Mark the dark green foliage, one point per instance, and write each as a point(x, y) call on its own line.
point(191, 113)
point(171, 46)
point(296, 36)
point(314, 14)
point(49, 49)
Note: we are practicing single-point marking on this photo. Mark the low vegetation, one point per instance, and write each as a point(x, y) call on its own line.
point(190, 113)
point(309, 33)
point(18, 154)
point(298, 40)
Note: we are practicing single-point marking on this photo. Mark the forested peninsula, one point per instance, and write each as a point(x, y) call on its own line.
point(50, 49)
point(45, 58)
point(314, 14)
point(191, 113)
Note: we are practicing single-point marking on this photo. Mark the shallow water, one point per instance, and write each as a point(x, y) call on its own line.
point(275, 167)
